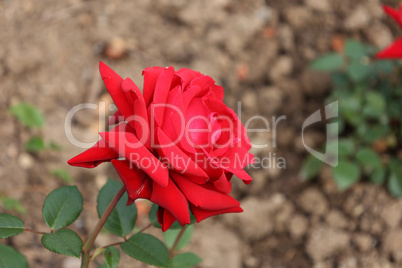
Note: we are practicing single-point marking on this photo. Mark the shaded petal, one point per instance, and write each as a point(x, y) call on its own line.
point(151, 75)
point(165, 218)
point(136, 182)
point(201, 214)
point(223, 184)
point(162, 88)
point(127, 145)
point(94, 156)
point(172, 199)
point(204, 196)
point(187, 75)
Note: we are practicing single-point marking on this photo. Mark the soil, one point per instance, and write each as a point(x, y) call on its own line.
point(259, 52)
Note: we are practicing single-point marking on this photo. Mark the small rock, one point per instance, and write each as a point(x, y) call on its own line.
point(379, 34)
point(298, 16)
point(364, 242)
point(281, 68)
point(325, 241)
point(348, 262)
point(25, 161)
point(70, 262)
point(319, 5)
point(286, 37)
point(116, 48)
point(313, 201)
point(358, 19)
point(298, 226)
point(393, 244)
point(392, 214)
point(336, 219)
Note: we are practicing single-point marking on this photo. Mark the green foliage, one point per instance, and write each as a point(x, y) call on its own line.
point(62, 175)
point(10, 225)
point(62, 207)
point(112, 257)
point(148, 249)
point(63, 241)
point(369, 95)
point(10, 258)
point(185, 260)
point(171, 235)
point(122, 219)
point(12, 204)
point(28, 115)
point(35, 144)
point(329, 62)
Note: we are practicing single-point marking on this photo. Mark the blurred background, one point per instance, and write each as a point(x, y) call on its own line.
point(259, 51)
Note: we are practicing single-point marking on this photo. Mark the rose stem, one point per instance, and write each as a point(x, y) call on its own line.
point(176, 242)
point(85, 256)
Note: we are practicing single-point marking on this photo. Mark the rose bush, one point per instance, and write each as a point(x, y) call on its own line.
point(177, 144)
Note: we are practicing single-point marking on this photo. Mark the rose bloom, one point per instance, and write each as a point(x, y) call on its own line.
point(177, 144)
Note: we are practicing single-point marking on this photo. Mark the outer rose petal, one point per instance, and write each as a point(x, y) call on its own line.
point(201, 214)
point(94, 156)
point(113, 84)
point(394, 13)
point(150, 78)
point(204, 196)
point(136, 182)
point(394, 51)
point(165, 218)
point(222, 184)
point(162, 88)
point(127, 145)
point(172, 199)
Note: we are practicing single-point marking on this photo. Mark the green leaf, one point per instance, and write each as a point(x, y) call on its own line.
point(28, 115)
point(327, 63)
point(346, 174)
point(185, 260)
point(62, 207)
point(378, 176)
point(35, 144)
point(384, 66)
point(358, 71)
point(112, 257)
point(63, 241)
point(369, 159)
point(395, 180)
point(12, 204)
point(122, 219)
point(63, 175)
point(148, 249)
point(170, 237)
point(375, 105)
point(10, 258)
point(311, 167)
point(374, 133)
point(10, 226)
point(346, 146)
point(355, 49)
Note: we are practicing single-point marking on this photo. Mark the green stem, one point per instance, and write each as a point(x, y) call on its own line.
point(86, 251)
point(176, 242)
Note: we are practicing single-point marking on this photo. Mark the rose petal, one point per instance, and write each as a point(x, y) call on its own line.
point(394, 13)
point(150, 77)
point(165, 218)
point(162, 88)
point(201, 214)
point(94, 156)
point(187, 76)
point(394, 51)
point(136, 182)
point(172, 199)
point(179, 160)
point(204, 196)
point(222, 184)
point(127, 145)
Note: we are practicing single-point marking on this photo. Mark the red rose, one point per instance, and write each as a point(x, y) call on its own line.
point(180, 143)
point(393, 51)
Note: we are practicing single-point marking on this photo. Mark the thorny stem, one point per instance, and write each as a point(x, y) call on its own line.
point(86, 251)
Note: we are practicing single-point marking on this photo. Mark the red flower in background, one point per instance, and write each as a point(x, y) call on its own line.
point(177, 144)
point(395, 49)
